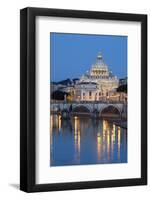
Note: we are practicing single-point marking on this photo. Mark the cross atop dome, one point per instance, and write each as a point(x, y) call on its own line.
point(99, 61)
point(99, 56)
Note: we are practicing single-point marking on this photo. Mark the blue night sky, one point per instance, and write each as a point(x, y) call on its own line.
point(71, 55)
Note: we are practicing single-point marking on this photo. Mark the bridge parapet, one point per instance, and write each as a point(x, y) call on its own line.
point(91, 106)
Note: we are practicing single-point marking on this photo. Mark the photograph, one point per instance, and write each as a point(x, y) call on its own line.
point(88, 99)
point(83, 101)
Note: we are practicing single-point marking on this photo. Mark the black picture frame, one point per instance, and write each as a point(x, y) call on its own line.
point(28, 99)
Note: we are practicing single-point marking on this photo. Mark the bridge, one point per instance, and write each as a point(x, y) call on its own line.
point(93, 109)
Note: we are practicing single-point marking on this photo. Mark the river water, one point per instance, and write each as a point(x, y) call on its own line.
point(82, 141)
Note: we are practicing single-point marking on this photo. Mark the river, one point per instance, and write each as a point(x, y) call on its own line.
point(83, 141)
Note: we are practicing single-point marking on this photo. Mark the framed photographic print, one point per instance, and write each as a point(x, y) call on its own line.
point(83, 98)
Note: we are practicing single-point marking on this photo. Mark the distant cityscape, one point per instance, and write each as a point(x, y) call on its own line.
point(98, 84)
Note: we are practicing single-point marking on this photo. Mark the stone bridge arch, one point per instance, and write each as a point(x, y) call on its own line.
point(81, 108)
point(110, 109)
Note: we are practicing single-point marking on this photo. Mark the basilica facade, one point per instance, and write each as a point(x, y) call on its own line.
point(97, 84)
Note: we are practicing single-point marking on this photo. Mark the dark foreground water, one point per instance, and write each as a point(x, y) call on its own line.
point(82, 141)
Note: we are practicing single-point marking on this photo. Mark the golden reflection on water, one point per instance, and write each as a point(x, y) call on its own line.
point(107, 137)
point(99, 140)
point(59, 123)
point(108, 142)
point(77, 136)
point(105, 126)
point(113, 133)
point(112, 140)
point(108, 145)
point(55, 122)
point(119, 141)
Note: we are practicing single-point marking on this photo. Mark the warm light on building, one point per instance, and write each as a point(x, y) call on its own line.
point(97, 84)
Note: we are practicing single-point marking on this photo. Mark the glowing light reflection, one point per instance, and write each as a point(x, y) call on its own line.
point(99, 140)
point(119, 141)
point(59, 122)
point(77, 137)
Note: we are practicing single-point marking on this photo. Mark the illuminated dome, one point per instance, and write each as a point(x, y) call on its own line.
point(99, 64)
point(99, 72)
point(99, 69)
point(97, 82)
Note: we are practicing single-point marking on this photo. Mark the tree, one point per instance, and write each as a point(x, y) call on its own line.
point(58, 95)
point(122, 88)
